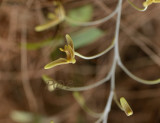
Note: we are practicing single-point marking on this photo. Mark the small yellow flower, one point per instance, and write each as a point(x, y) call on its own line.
point(57, 17)
point(125, 106)
point(149, 2)
point(70, 53)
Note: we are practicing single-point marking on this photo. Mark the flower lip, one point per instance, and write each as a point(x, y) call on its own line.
point(57, 62)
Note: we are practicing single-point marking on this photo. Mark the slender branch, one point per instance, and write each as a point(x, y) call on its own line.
point(97, 55)
point(67, 88)
point(79, 98)
point(108, 106)
point(116, 59)
point(93, 23)
point(148, 82)
point(116, 101)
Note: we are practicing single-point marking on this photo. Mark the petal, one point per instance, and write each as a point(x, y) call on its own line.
point(51, 16)
point(69, 52)
point(59, 10)
point(61, 49)
point(57, 62)
point(127, 109)
point(48, 25)
point(69, 41)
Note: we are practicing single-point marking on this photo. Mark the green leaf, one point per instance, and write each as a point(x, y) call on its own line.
point(82, 14)
point(86, 36)
point(37, 45)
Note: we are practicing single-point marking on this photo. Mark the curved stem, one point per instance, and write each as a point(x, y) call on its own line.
point(67, 88)
point(109, 102)
point(148, 82)
point(116, 59)
point(137, 8)
point(90, 112)
point(116, 101)
point(108, 107)
point(79, 98)
point(93, 23)
point(97, 55)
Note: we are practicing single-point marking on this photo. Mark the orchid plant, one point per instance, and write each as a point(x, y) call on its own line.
point(59, 17)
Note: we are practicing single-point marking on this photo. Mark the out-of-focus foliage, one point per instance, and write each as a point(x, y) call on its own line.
point(81, 14)
point(80, 39)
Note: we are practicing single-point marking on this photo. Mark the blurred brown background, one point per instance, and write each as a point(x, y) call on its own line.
point(20, 69)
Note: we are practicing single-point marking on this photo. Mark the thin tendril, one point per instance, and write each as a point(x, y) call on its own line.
point(116, 101)
point(109, 103)
point(79, 98)
point(148, 82)
point(137, 8)
point(67, 88)
point(93, 23)
point(97, 55)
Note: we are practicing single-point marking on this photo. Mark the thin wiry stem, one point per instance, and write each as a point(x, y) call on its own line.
point(90, 112)
point(116, 101)
point(97, 55)
point(93, 23)
point(79, 98)
point(137, 8)
point(109, 102)
point(108, 106)
point(67, 88)
point(116, 59)
point(148, 82)
point(104, 116)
